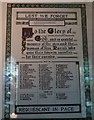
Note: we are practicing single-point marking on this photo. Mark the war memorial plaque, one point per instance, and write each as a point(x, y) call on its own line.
point(46, 61)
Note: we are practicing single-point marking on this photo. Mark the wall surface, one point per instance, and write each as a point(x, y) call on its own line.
point(0, 64)
point(46, 1)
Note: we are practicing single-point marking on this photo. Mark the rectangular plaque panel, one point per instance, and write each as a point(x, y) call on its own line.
point(46, 61)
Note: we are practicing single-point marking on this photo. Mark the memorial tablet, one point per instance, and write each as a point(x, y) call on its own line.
point(47, 67)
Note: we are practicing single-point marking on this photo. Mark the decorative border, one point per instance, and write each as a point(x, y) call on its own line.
point(8, 65)
point(8, 52)
point(86, 63)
